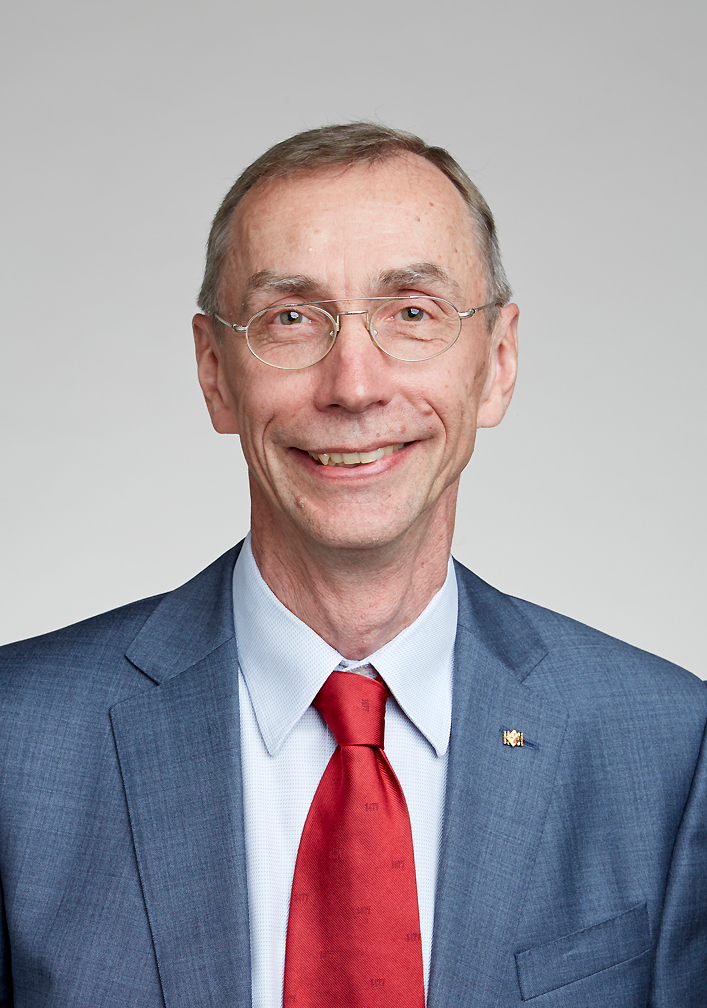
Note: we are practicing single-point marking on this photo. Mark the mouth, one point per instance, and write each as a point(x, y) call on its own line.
point(351, 459)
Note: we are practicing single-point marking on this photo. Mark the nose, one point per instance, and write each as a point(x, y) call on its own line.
point(355, 375)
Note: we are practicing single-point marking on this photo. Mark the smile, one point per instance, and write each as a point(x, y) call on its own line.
point(354, 458)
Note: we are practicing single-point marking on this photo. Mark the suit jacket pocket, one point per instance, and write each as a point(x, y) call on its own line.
point(565, 960)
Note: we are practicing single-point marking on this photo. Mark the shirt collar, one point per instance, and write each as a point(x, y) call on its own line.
point(285, 663)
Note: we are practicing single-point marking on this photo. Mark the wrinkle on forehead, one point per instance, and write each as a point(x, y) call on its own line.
point(282, 221)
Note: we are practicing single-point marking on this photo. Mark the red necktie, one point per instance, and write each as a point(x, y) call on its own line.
point(353, 935)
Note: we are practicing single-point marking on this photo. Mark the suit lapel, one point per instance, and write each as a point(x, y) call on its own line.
point(496, 800)
point(178, 746)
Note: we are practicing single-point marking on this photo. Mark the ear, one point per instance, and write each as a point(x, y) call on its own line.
point(502, 369)
point(209, 358)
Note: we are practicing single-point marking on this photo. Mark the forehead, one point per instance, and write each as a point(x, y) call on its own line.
point(346, 225)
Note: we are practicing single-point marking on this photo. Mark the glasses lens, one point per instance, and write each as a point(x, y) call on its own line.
point(415, 328)
point(290, 336)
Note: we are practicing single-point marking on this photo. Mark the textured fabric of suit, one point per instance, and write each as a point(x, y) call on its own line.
point(573, 870)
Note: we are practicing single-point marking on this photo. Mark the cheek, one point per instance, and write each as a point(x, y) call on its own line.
point(461, 390)
point(270, 404)
point(457, 407)
point(246, 381)
point(240, 390)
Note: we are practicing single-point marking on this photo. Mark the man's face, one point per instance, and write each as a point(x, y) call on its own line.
point(398, 227)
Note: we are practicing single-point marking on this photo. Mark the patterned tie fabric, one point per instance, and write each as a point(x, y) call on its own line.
point(353, 935)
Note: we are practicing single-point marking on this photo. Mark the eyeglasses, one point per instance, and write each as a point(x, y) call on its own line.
point(410, 328)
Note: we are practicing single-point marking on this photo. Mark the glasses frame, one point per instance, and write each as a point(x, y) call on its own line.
point(371, 332)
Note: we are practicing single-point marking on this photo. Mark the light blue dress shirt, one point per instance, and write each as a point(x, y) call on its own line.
point(286, 746)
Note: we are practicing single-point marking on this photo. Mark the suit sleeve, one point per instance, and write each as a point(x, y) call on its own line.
point(681, 961)
point(6, 999)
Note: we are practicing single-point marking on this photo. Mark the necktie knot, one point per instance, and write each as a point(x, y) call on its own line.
point(354, 708)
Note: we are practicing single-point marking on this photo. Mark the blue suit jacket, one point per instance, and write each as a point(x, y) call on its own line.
point(573, 870)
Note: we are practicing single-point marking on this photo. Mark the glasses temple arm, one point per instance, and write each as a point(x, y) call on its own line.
point(231, 325)
point(473, 311)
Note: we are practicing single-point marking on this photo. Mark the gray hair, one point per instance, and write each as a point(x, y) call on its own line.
point(342, 146)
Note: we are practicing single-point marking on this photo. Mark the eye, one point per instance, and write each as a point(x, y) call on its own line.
point(412, 313)
point(291, 317)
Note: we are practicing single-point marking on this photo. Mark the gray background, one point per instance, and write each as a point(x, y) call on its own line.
point(582, 123)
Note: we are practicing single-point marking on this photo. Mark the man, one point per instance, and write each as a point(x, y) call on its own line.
point(161, 806)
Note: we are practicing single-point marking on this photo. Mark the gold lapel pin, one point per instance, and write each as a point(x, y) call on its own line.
point(513, 738)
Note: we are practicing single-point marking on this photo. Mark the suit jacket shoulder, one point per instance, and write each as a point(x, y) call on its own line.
point(95, 654)
point(575, 663)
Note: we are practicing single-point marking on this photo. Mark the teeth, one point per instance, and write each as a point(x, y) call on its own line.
point(354, 458)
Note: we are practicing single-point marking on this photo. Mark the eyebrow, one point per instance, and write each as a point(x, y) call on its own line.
point(267, 280)
point(409, 276)
point(392, 279)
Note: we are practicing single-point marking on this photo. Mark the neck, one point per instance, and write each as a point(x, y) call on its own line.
point(356, 599)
